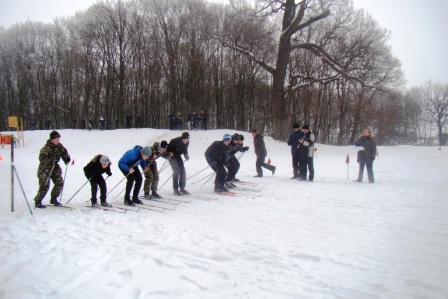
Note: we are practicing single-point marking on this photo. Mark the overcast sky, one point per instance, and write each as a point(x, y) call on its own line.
point(419, 29)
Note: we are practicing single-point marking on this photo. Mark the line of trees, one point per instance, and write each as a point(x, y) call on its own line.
point(264, 64)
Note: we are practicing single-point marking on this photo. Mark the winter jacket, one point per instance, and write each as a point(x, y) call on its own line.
point(51, 153)
point(94, 168)
point(367, 155)
point(293, 140)
point(156, 151)
point(130, 158)
point(216, 152)
point(233, 148)
point(177, 147)
point(306, 149)
point(260, 148)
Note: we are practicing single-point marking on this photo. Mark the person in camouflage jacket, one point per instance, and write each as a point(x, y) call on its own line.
point(151, 173)
point(49, 168)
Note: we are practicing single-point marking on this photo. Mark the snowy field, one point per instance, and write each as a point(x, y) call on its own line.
point(329, 239)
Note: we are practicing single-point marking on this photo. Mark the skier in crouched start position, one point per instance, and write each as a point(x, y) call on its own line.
point(151, 173)
point(179, 146)
point(216, 158)
point(128, 165)
point(97, 166)
point(49, 169)
point(232, 163)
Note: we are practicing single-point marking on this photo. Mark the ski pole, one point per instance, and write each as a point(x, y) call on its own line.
point(208, 179)
point(51, 171)
point(62, 190)
point(23, 191)
point(198, 173)
point(166, 181)
point(135, 164)
point(202, 178)
point(78, 191)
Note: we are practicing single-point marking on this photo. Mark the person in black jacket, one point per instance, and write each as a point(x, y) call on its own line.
point(216, 158)
point(367, 155)
point(261, 152)
point(232, 163)
point(306, 154)
point(97, 166)
point(293, 141)
point(177, 147)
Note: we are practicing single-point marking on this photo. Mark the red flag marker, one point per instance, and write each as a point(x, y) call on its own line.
point(269, 161)
point(73, 161)
point(347, 160)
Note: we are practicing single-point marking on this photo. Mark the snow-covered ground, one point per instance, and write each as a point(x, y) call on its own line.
point(329, 239)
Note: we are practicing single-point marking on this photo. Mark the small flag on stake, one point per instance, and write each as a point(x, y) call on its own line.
point(73, 161)
point(347, 160)
point(269, 161)
point(1, 158)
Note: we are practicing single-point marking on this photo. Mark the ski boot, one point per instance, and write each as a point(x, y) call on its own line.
point(185, 192)
point(155, 194)
point(39, 205)
point(128, 202)
point(54, 201)
point(177, 192)
point(105, 204)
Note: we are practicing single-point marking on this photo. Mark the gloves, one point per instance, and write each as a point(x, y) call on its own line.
point(109, 173)
point(67, 160)
point(227, 164)
point(212, 163)
point(373, 158)
point(245, 149)
point(187, 158)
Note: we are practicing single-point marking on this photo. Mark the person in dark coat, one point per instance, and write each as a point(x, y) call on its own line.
point(128, 165)
point(366, 156)
point(74, 123)
point(172, 119)
point(232, 163)
point(138, 121)
point(177, 147)
point(216, 158)
point(83, 123)
point(261, 152)
point(48, 124)
point(93, 171)
point(306, 154)
point(128, 121)
point(204, 120)
point(293, 142)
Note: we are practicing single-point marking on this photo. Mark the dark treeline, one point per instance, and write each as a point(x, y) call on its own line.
point(159, 57)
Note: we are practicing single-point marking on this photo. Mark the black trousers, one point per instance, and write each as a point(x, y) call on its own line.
point(136, 177)
point(97, 182)
point(260, 163)
point(369, 172)
point(305, 163)
point(233, 167)
point(295, 164)
point(179, 174)
point(221, 174)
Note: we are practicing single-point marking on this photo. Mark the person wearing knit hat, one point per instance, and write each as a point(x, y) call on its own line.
point(49, 168)
point(306, 153)
point(128, 165)
point(293, 142)
point(176, 148)
point(151, 173)
point(232, 163)
point(215, 156)
point(93, 171)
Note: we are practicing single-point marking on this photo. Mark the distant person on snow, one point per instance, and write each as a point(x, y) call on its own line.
point(49, 169)
point(261, 152)
point(97, 166)
point(366, 156)
point(151, 173)
point(293, 141)
point(306, 154)
point(177, 147)
point(128, 165)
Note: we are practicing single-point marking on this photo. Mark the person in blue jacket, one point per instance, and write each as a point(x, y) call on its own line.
point(128, 165)
point(293, 141)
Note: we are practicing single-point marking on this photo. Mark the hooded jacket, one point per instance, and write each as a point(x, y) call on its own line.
point(130, 158)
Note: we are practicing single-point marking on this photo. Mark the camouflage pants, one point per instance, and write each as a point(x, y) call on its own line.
point(43, 174)
point(151, 178)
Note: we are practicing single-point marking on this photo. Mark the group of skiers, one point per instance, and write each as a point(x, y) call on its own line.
point(220, 156)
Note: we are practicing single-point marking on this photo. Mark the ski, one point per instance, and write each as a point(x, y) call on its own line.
point(155, 209)
point(123, 206)
point(247, 189)
point(117, 210)
point(202, 197)
point(229, 193)
point(246, 183)
point(66, 207)
point(171, 202)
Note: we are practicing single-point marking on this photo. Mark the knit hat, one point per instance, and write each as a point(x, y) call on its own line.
point(146, 151)
point(242, 137)
point(54, 134)
point(236, 136)
point(104, 160)
point(227, 137)
point(164, 144)
point(296, 126)
point(185, 135)
point(305, 127)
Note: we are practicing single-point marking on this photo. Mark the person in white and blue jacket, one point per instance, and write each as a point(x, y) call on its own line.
point(128, 165)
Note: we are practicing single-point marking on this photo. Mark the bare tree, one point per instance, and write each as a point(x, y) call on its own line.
point(436, 106)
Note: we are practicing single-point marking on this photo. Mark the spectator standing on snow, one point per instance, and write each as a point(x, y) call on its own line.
point(83, 123)
point(293, 141)
point(138, 121)
point(216, 158)
point(261, 152)
point(366, 156)
point(306, 154)
point(177, 147)
point(48, 124)
point(128, 165)
point(74, 123)
point(102, 122)
point(93, 171)
point(128, 121)
point(49, 168)
point(151, 173)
